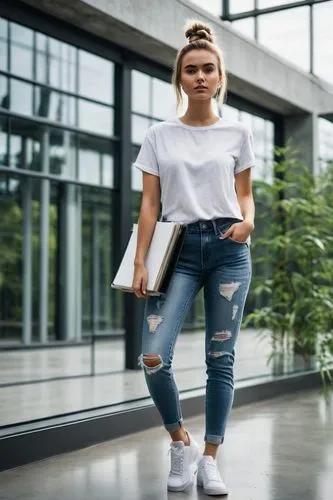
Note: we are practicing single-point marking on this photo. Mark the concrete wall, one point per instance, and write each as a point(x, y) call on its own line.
point(154, 29)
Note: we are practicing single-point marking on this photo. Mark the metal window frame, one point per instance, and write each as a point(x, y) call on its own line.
point(257, 12)
point(226, 16)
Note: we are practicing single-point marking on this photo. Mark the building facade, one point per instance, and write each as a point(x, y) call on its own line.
point(80, 83)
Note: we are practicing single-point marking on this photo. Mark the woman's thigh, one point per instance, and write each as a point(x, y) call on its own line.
point(225, 291)
point(164, 315)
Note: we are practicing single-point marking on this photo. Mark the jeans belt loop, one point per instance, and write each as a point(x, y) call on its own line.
point(214, 226)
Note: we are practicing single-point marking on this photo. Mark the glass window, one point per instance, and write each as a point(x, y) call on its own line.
point(4, 98)
point(3, 45)
point(55, 63)
point(24, 151)
point(288, 34)
point(238, 6)
point(139, 128)
point(95, 77)
point(96, 238)
point(230, 113)
point(95, 117)
point(141, 92)
point(325, 142)
point(21, 95)
point(95, 160)
point(107, 167)
point(258, 131)
point(21, 51)
point(62, 152)
point(323, 40)
point(164, 100)
point(4, 141)
point(244, 26)
point(55, 106)
point(212, 6)
point(247, 119)
point(11, 253)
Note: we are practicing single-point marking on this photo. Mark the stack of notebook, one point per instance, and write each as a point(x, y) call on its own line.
point(161, 258)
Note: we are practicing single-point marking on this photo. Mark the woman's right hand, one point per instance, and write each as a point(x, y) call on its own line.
point(140, 281)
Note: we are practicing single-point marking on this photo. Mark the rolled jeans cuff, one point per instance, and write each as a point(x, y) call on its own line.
point(174, 427)
point(211, 439)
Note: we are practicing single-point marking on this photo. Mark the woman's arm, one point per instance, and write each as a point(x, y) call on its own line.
point(243, 184)
point(149, 212)
point(241, 230)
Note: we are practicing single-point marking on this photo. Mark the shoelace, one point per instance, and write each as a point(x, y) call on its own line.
point(177, 460)
point(212, 472)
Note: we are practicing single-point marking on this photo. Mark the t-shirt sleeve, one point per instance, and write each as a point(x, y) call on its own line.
point(246, 158)
point(146, 159)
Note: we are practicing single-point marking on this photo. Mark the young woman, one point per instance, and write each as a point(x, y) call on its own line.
point(198, 166)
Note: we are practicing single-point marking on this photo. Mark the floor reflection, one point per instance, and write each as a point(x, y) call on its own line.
point(280, 449)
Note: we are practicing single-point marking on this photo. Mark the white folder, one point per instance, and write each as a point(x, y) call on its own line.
point(161, 256)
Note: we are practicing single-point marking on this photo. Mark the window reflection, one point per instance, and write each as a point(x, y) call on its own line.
point(164, 106)
point(55, 106)
point(105, 312)
point(141, 92)
point(4, 97)
point(4, 141)
point(107, 174)
point(139, 128)
point(55, 63)
point(95, 117)
point(62, 152)
point(247, 119)
point(24, 151)
point(325, 143)
point(230, 113)
point(323, 40)
point(95, 77)
point(288, 34)
point(95, 161)
point(21, 51)
point(3, 44)
point(10, 257)
point(21, 97)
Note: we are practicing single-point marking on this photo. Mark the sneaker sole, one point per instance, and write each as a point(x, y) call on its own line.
point(185, 486)
point(207, 491)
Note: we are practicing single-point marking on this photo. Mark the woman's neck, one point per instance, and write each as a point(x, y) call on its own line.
point(199, 113)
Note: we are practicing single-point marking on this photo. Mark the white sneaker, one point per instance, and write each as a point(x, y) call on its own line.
point(184, 464)
point(209, 477)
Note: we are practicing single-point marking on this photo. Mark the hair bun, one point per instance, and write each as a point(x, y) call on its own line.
point(194, 30)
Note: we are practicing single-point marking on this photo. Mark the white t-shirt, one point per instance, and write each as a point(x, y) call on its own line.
point(197, 167)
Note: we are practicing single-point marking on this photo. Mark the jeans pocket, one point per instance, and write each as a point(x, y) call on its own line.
point(238, 242)
point(223, 228)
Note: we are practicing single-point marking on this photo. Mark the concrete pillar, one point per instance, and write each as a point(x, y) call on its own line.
point(301, 133)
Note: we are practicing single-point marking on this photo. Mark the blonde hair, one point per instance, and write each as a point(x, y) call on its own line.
point(199, 36)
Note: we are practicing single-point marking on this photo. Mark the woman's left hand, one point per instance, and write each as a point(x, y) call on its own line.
point(239, 231)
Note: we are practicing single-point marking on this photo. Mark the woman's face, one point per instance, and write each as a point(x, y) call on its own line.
point(200, 76)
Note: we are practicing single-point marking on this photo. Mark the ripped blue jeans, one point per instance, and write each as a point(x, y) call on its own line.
point(223, 268)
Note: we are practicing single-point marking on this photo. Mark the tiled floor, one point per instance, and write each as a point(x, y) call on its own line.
point(281, 449)
point(43, 399)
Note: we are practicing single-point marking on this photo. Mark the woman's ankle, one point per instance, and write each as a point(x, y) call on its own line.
point(180, 435)
point(211, 450)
